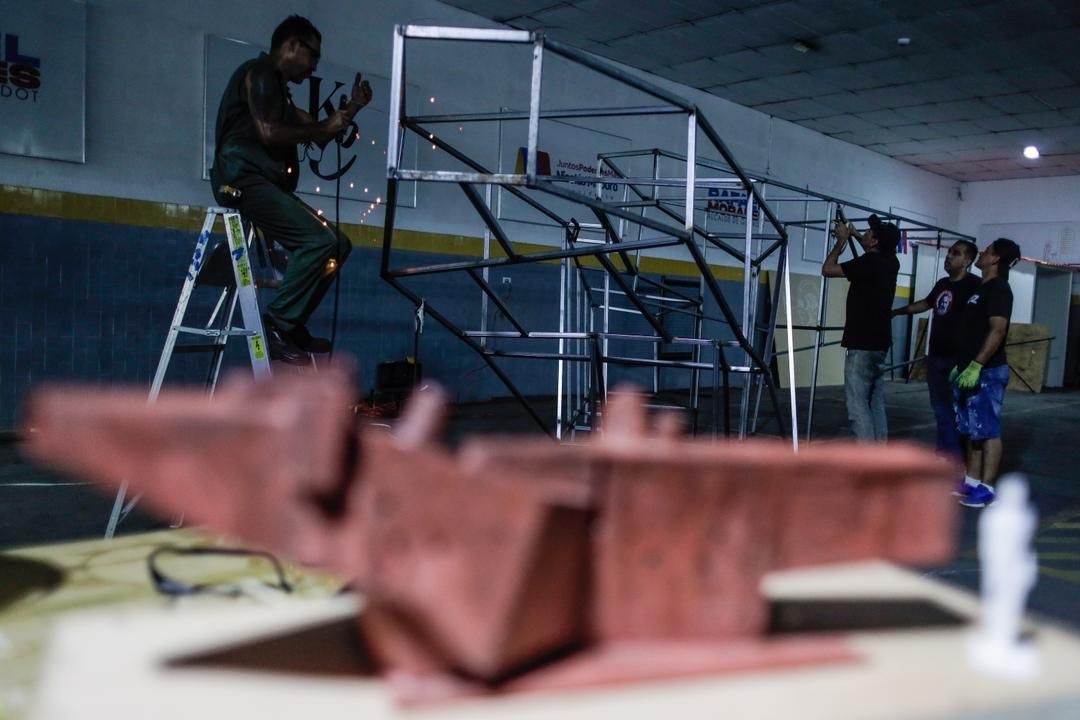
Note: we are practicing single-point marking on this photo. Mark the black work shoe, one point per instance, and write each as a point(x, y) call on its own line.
point(308, 342)
point(281, 346)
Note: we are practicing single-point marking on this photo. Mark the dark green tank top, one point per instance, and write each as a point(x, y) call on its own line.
point(238, 152)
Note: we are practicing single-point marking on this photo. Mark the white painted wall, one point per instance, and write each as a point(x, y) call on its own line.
point(1052, 199)
point(145, 98)
point(1052, 202)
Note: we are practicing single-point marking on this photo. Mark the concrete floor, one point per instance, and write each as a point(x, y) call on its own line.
point(1039, 431)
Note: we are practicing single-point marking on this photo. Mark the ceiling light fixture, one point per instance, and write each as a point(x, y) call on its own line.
point(1031, 152)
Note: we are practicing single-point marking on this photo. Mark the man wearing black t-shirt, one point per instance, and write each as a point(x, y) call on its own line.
point(981, 373)
point(947, 298)
point(868, 327)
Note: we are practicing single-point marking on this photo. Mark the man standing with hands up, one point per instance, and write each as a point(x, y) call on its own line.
point(868, 326)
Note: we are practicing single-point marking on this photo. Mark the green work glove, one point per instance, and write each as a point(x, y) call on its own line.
point(953, 373)
point(970, 377)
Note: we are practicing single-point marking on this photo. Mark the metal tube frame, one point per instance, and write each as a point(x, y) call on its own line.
point(579, 342)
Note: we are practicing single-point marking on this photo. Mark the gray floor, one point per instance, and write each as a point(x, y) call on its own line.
point(1040, 436)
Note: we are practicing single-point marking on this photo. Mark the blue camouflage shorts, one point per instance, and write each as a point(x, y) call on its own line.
point(978, 410)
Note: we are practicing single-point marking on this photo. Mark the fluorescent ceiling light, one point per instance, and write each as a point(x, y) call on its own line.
point(1031, 152)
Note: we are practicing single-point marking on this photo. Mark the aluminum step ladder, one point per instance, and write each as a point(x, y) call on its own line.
point(219, 328)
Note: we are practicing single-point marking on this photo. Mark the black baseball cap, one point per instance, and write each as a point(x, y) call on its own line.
point(887, 234)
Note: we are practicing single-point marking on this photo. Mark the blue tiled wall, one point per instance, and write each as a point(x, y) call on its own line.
point(91, 302)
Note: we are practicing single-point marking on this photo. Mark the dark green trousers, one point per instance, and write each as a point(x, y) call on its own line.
point(310, 240)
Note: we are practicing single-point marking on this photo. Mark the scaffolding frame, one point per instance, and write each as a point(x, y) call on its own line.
point(585, 308)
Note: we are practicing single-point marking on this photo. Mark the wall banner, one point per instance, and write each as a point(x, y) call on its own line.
point(43, 79)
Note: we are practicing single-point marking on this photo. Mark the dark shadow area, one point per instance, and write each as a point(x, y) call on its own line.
point(40, 506)
point(23, 578)
point(843, 615)
point(333, 649)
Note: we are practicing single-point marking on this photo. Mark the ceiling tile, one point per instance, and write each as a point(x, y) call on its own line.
point(846, 77)
point(892, 71)
point(614, 28)
point(696, 73)
point(998, 142)
point(1045, 119)
point(561, 16)
point(807, 85)
point(795, 110)
point(927, 158)
point(892, 96)
point(785, 54)
point(979, 79)
point(678, 44)
point(844, 102)
point(909, 9)
point(1036, 77)
point(998, 123)
point(1067, 97)
point(838, 123)
point(849, 47)
point(885, 118)
point(918, 131)
point(956, 128)
point(751, 93)
point(873, 136)
point(1064, 135)
point(982, 84)
point(756, 63)
point(1018, 103)
point(781, 21)
point(941, 62)
point(903, 148)
point(980, 154)
point(652, 15)
point(932, 112)
point(697, 9)
point(501, 11)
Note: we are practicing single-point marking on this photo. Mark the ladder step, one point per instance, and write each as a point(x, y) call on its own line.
point(193, 348)
point(214, 332)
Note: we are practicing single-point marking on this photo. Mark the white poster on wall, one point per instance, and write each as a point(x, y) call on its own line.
point(1057, 243)
point(362, 161)
point(43, 79)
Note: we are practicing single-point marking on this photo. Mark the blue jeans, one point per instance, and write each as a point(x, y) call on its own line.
point(864, 389)
point(941, 401)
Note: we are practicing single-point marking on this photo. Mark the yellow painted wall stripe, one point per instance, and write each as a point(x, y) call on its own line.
point(146, 213)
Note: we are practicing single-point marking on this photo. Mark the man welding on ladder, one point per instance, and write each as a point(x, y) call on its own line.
point(256, 169)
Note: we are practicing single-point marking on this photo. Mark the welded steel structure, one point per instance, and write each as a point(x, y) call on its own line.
point(601, 255)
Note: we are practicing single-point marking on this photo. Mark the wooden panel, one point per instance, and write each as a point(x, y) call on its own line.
point(1027, 356)
point(1027, 360)
point(918, 369)
point(805, 291)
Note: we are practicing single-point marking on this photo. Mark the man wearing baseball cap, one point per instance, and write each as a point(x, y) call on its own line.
point(868, 323)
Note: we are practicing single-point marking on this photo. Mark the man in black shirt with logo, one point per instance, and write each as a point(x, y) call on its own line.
point(947, 299)
point(868, 327)
point(981, 373)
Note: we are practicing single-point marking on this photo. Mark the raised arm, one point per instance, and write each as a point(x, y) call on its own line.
point(265, 100)
point(831, 268)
